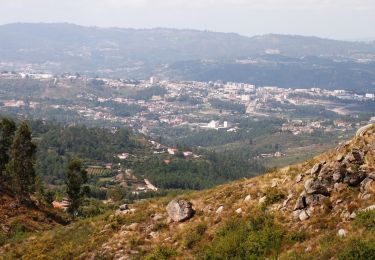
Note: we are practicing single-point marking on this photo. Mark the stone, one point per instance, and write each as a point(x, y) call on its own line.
point(315, 187)
point(316, 168)
point(124, 207)
point(248, 198)
point(342, 233)
point(314, 199)
point(336, 177)
point(296, 213)
point(262, 200)
point(274, 184)
point(220, 210)
point(372, 207)
point(366, 185)
point(353, 215)
point(303, 215)
point(301, 203)
point(133, 226)
point(354, 179)
point(355, 157)
point(239, 211)
point(340, 186)
point(157, 217)
point(340, 158)
point(371, 175)
point(180, 210)
point(299, 178)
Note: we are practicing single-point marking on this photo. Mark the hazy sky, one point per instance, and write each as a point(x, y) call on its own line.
point(340, 19)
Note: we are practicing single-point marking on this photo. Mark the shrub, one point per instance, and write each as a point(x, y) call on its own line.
point(161, 253)
point(195, 235)
point(273, 195)
point(366, 219)
point(358, 250)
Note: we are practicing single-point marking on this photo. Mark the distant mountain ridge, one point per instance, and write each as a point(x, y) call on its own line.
point(140, 53)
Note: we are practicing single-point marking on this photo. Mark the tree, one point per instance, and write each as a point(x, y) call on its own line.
point(76, 177)
point(7, 129)
point(21, 165)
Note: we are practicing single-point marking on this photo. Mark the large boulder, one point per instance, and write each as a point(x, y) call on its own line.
point(315, 187)
point(180, 210)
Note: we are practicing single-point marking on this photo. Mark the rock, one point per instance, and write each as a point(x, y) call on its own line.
point(219, 210)
point(133, 227)
point(355, 157)
point(361, 131)
point(371, 175)
point(180, 210)
point(354, 179)
point(274, 184)
point(366, 185)
point(299, 178)
point(314, 199)
point(340, 158)
point(296, 213)
point(336, 177)
point(153, 235)
point(124, 207)
point(315, 187)
point(353, 215)
point(342, 233)
point(157, 217)
point(316, 168)
point(285, 203)
point(239, 211)
point(262, 200)
point(372, 207)
point(340, 186)
point(248, 198)
point(301, 203)
point(339, 201)
point(303, 215)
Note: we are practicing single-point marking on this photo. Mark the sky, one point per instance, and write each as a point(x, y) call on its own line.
point(336, 19)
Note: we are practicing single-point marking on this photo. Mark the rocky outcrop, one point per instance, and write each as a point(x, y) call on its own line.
point(180, 210)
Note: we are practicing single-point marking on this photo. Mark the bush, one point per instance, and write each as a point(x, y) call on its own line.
point(161, 253)
point(365, 219)
point(258, 238)
point(273, 195)
point(358, 250)
point(195, 235)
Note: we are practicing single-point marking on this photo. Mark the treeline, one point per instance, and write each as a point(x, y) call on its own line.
point(210, 170)
point(57, 144)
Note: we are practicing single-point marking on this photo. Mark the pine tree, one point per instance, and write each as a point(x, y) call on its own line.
point(7, 129)
point(76, 177)
point(21, 165)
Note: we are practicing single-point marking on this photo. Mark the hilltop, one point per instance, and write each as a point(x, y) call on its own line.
point(320, 209)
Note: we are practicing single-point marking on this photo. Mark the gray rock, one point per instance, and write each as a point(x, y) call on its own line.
point(303, 215)
point(340, 186)
point(248, 198)
point(315, 187)
point(124, 207)
point(274, 184)
point(366, 185)
point(371, 175)
point(355, 178)
point(355, 157)
point(340, 158)
point(299, 178)
point(239, 211)
point(372, 207)
point(180, 210)
point(219, 210)
point(342, 233)
point(157, 217)
point(301, 203)
point(336, 177)
point(262, 200)
point(314, 199)
point(296, 214)
point(316, 168)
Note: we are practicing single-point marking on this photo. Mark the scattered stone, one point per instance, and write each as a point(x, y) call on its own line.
point(299, 178)
point(180, 210)
point(342, 233)
point(124, 207)
point(316, 168)
point(274, 184)
point(339, 201)
point(366, 185)
point(248, 198)
point(353, 215)
point(153, 235)
point(314, 199)
point(355, 157)
point(262, 200)
point(296, 214)
point(372, 207)
point(340, 186)
point(158, 217)
point(133, 227)
point(340, 158)
point(301, 203)
point(355, 178)
point(239, 211)
point(220, 210)
point(315, 187)
point(303, 215)
point(336, 177)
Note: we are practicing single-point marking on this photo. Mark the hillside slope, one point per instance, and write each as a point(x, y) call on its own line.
point(320, 209)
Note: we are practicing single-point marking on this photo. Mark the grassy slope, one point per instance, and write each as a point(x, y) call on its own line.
point(316, 238)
